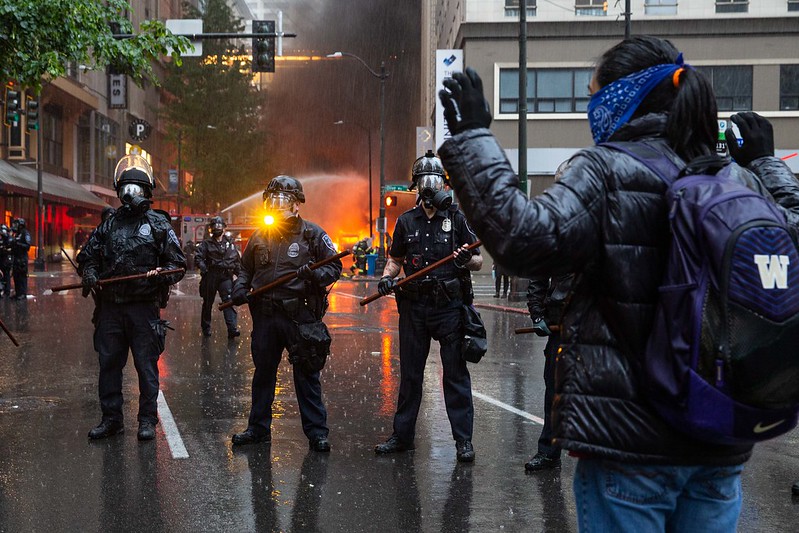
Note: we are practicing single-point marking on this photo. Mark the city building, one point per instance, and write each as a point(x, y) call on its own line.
point(750, 50)
point(88, 119)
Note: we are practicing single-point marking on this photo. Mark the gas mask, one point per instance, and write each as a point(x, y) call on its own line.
point(281, 206)
point(432, 193)
point(217, 230)
point(133, 197)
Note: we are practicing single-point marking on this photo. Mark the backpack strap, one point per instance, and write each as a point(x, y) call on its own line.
point(654, 159)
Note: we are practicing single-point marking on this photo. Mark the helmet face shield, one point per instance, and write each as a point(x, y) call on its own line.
point(279, 201)
point(430, 181)
point(134, 162)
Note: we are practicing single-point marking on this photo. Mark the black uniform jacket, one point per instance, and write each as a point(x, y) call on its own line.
point(127, 244)
point(604, 218)
point(271, 254)
point(218, 256)
point(422, 241)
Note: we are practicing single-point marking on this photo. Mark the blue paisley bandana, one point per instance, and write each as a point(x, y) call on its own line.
point(613, 105)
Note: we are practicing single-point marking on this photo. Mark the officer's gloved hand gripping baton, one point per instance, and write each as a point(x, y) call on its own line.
point(288, 277)
point(420, 273)
point(117, 279)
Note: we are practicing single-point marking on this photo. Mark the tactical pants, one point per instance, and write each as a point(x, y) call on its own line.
point(272, 333)
point(545, 445)
point(21, 276)
point(223, 284)
point(123, 327)
point(420, 321)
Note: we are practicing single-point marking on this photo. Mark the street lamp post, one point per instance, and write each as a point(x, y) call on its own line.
point(382, 75)
point(368, 140)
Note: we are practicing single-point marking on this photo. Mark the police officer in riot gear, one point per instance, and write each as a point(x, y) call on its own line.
point(20, 244)
point(431, 308)
point(289, 316)
point(6, 259)
point(218, 260)
point(134, 240)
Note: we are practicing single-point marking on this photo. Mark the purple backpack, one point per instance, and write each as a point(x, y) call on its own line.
point(722, 359)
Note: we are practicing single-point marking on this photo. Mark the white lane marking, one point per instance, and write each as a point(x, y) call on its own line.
point(170, 429)
point(507, 407)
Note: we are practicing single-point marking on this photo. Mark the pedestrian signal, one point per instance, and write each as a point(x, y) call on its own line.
point(391, 201)
point(263, 48)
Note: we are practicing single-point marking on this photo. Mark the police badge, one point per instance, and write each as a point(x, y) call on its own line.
point(446, 225)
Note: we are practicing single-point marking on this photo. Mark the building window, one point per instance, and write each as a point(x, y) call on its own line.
point(732, 6)
point(512, 8)
point(793, 5)
point(548, 90)
point(53, 138)
point(104, 151)
point(789, 87)
point(732, 85)
point(591, 7)
point(660, 7)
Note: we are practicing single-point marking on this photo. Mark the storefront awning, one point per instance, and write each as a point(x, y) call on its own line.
point(23, 180)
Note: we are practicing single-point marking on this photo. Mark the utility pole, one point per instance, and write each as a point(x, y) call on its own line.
point(523, 96)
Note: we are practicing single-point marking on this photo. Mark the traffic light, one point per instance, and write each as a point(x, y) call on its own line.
point(391, 201)
point(32, 114)
point(263, 48)
point(12, 106)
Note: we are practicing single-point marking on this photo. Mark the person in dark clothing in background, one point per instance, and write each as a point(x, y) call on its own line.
point(135, 240)
point(289, 316)
point(189, 249)
point(606, 220)
point(6, 259)
point(218, 261)
point(546, 299)
point(20, 244)
point(431, 307)
point(501, 279)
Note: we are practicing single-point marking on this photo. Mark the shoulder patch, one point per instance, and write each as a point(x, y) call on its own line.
point(328, 242)
point(173, 237)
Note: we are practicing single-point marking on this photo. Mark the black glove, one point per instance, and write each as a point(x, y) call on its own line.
point(240, 296)
point(540, 327)
point(89, 282)
point(305, 272)
point(465, 107)
point(757, 135)
point(386, 285)
point(462, 257)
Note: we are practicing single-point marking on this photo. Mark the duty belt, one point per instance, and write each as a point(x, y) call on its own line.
point(438, 292)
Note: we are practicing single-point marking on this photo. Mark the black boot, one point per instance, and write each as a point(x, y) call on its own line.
point(393, 445)
point(541, 461)
point(248, 436)
point(465, 451)
point(319, 444)
point(105, 429)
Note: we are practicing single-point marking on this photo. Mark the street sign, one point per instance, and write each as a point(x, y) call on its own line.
point(396, 187)
point(173, 180)
point(139, 129)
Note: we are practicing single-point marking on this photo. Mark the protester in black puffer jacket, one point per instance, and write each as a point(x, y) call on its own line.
point(605, 218)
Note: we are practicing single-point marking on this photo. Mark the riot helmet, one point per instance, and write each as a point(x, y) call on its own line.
point(4, 230)
point(282, 196)
point(430, 181)
point(217, 226)
point(134, 180)
point(20, 222)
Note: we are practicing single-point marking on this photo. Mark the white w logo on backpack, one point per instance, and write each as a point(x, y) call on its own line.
point(773, 270)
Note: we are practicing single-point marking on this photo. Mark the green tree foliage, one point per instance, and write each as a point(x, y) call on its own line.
point(40, 38)
point(215, 111)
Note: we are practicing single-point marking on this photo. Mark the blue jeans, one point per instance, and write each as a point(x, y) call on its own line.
point(612, 496)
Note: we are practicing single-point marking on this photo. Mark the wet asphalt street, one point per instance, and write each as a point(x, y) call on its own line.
point(52, 478)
